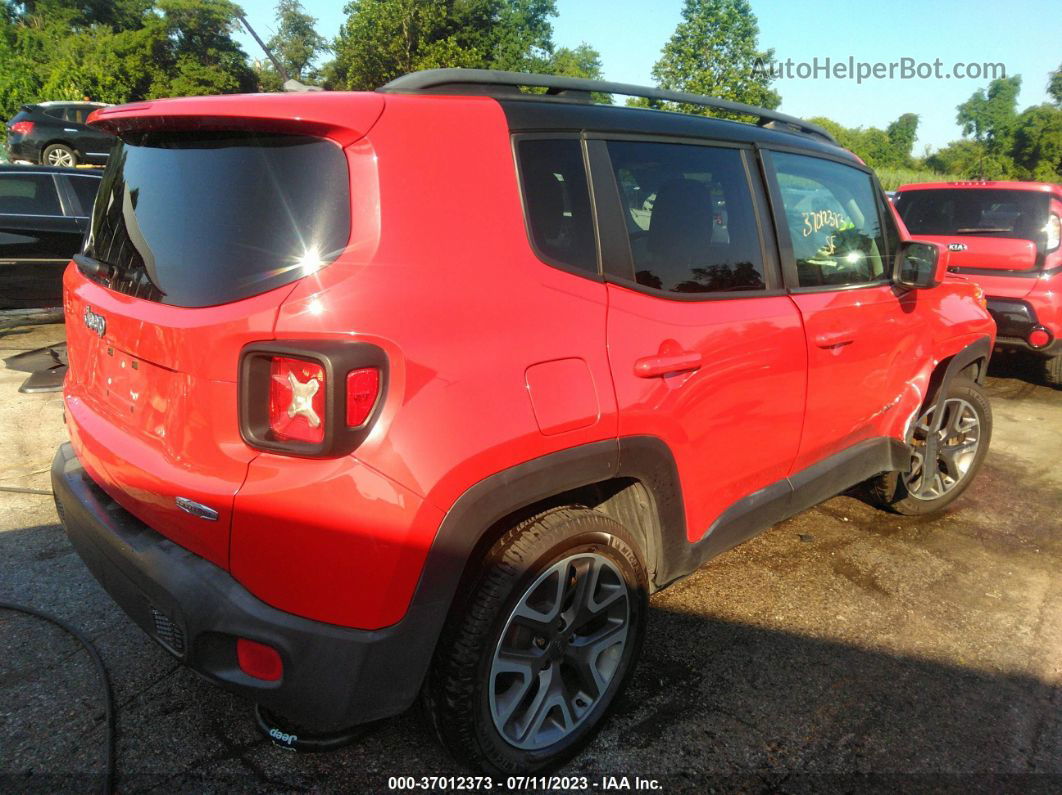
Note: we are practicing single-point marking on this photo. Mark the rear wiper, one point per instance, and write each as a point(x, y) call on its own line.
point(92, 267)
point(980, 231)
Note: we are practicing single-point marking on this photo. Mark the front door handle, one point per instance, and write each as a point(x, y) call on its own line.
point(835, 339)
point(681, 362)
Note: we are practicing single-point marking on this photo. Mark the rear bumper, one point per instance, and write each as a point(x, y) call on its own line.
point(1015, 320)
point(18, 148)
point(333, 676)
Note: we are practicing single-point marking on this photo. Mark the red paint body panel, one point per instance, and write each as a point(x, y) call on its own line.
point(493, 359)
point(168, 428)
point(563, 395)
point(331, 540)
point(734, 424)
point(1046, 300)
point(867, 340)
point(990, 253)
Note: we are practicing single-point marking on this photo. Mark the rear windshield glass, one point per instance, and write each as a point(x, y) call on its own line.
point(976, 211)
point(198, 219)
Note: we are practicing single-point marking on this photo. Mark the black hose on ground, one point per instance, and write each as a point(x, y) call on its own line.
point(105, 683)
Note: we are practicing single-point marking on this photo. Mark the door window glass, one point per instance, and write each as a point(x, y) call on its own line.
point(831, 212)
point(28, 194)
point(690, 217)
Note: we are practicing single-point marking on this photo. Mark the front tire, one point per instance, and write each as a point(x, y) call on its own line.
point(552, 626)
point(59, 155)
point(934, 482)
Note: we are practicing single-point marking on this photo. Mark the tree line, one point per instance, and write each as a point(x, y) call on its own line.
point(129, 50)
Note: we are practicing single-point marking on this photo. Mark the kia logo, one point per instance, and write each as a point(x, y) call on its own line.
point(97, 323)
point(956, 247)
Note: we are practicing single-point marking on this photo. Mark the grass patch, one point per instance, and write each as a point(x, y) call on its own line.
point(892, 178)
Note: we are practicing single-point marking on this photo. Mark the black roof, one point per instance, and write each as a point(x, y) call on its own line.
point(530, 115)
point(10, 168)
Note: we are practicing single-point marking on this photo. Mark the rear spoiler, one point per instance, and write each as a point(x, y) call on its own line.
point(344, 117)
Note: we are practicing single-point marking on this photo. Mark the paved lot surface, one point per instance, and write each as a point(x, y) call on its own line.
point(844, 649)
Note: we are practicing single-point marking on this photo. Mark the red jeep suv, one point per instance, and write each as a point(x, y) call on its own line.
point(423, 391)
point(1004, 235)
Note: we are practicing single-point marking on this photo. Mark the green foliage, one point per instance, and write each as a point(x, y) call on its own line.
point(1002, 143)
point(1037, 148)
point(1054, 85)
point(714, 51)
point(892, 178)
point(988, 116)
point(889, 148)
point(582, 61)
point(383, 39)
point(118, 51)
point(296, 43)
point(902, 134)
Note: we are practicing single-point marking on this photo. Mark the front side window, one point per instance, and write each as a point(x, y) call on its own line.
point(832, 214)
point(557, 201)
point(689, 216)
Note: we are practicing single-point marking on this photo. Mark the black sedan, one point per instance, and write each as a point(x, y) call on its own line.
point(55, 134)
point(44, 213)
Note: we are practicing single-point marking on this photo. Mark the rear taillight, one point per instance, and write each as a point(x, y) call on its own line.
point(310, 398)
point(1053, 229)
point(296, 399)
point(22, 127)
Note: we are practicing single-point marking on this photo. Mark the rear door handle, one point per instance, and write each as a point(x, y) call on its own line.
point(834, 339)
point(682, 362)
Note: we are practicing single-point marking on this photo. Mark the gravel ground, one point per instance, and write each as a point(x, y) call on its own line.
point(845, 649)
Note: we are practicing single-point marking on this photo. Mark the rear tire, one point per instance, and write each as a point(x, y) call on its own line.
point(59, 155)
point(552, 626)
point(1053, 370)
point(928, 487)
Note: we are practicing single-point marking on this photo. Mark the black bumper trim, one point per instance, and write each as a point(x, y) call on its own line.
point(333, 676)
point(1013, 318)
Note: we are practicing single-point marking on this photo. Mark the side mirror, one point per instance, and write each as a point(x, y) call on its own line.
point(919, 265)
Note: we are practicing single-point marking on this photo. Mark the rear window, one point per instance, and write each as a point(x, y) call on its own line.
point(199, 219)
point(978, 211)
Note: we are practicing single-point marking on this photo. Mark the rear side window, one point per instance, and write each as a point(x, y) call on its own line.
point(29, 194)
point(690, 217)
point(975, 211)
point(77, 113)
point(557, 201)
point(85, 188)
point(832, 213)
point(199, 219)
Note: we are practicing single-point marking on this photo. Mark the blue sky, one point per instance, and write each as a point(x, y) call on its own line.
point(1024, 35)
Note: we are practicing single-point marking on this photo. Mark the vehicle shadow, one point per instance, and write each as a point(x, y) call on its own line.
point(1020, 365)
point(714, 703)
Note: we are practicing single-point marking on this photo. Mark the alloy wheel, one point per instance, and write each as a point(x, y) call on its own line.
point(559, 651)
point(61, 157)
point(957, 440)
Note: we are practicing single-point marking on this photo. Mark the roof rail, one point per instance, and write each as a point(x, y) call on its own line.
point(579, 89)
